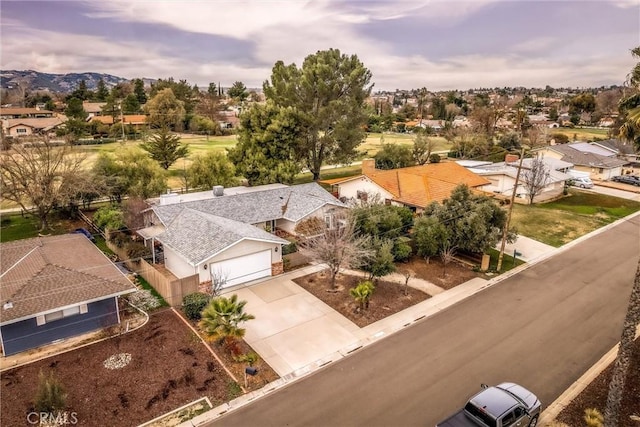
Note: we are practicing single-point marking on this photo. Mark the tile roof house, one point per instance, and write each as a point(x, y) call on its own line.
point(586, 158)
point(24, 113)
point(414, 187)
point(56, 287)
point(230, 232)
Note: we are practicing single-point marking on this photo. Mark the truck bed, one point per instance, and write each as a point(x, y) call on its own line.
point(459, 419)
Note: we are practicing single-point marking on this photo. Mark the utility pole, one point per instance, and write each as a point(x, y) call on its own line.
point(122, 120)
point(505, 231)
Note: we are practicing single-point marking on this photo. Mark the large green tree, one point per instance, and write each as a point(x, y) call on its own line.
point(394, 156)
point(101, 91)
point(165, 110)
point(165, 147)
point(328, 92)
point(209, 170)
point(474, 223)
point(269, 144)
point(129, 172)
point(75, 110)
point(238, 91)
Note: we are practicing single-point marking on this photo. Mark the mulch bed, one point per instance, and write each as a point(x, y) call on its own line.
point(388, 298)
point(595, 396)
point(169, 367)
point(434, 271)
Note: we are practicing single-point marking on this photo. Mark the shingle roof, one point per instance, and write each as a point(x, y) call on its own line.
point(580, 158)
point(291, 203)
point(617, 146)
point(198, 236)
point(46, 273)
point(421, 185)
point(44, 123)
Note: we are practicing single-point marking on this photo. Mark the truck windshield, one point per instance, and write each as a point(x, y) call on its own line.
point(478, 413)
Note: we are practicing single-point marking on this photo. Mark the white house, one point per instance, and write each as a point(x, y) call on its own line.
point(600, 165)
point(231, 233)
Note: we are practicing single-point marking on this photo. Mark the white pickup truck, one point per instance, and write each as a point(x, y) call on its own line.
point(504, 405)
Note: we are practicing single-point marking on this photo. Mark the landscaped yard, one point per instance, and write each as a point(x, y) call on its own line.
point(167, 367)
point(388, 297)
point(559, 222)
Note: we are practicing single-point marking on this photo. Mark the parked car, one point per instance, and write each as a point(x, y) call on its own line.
point(506, 404)
point(627, 179)
point(582, 182)
point(85, 232)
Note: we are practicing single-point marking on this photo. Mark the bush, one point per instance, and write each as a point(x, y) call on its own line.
point(193, 304)
point(289, 249)
point(109, 217)
point(401, 249)
point(51, 395)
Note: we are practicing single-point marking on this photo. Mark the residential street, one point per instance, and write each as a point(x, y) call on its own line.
point(543, 328)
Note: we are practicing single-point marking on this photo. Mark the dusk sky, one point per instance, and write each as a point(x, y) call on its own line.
point(438, 44)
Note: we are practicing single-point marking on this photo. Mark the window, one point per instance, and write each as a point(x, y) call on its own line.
point(362, 195)
point(61, 314)
point(328, 221)
point(21, 130)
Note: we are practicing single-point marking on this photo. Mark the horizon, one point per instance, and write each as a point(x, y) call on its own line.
point(440, 45)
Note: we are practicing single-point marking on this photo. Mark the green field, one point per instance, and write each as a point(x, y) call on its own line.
point(582, 134)
point(374, 142)
point(557, 223)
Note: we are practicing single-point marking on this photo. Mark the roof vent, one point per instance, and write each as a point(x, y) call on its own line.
point(218, 190)
point(7, 305)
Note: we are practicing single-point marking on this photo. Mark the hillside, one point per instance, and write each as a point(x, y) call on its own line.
point(35, 80)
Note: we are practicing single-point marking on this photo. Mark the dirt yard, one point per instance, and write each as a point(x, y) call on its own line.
point(595, 396)
point(167, 367)
point(452, 275)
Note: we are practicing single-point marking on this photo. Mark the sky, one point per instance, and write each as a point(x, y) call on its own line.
point(406, 44)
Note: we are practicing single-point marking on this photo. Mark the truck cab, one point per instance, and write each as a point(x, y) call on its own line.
point(504, 405)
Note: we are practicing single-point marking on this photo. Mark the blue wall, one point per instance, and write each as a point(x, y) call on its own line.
point(27, 334)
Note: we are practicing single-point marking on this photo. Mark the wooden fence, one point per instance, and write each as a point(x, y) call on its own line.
point(170, 287)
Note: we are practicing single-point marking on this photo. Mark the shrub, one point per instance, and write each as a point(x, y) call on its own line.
point(434, 158)
point(193, 304)
point(109, 217)
point(51, 395)
point(289, 249)
point(401, 249)
point(144, 300)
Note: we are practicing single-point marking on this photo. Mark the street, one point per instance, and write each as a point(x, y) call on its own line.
point(543, 328)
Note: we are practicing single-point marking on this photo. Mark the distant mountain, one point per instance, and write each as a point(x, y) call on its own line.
point(35, 80)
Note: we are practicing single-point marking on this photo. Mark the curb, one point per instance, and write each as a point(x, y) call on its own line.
point(442, 303)
point(554, 409)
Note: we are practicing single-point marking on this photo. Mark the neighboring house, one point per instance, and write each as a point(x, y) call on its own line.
point(585, 158)
point(27, 127)
point(435, 125)
point(231, 233)
point(24, 113)
point(56, 287)
point(228, 119)
point(136, 120)
point(93, 108)
point(623, 150)
point(502, 177)
point(415, 187)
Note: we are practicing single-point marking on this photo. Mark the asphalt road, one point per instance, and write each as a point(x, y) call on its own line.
point(543, 328)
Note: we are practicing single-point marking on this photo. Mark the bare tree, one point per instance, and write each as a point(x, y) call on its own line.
point(219, 279)
point(408, 275)
point(536, 178)
point(338, 247)
point(447, 255)
point(40, 176)
point(625, 353)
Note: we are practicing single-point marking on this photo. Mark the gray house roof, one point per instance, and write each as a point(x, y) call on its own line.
point(580, 158)
point(291, 203)
point(44, 274)
point(198, 236)
point(617, 146)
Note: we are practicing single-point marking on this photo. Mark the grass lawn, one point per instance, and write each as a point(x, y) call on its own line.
point(564, 220)
point(16, 227)
point(508, 262)
point(374, 142)
point(582, 134)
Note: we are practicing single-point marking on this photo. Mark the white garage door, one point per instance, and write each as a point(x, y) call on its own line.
point(243, 269)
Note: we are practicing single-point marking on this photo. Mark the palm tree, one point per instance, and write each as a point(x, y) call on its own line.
point(362, 293)
point(220, 319)
point(630, 105)
point(625, 353)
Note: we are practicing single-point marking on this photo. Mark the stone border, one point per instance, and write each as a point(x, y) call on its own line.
point(168, 414)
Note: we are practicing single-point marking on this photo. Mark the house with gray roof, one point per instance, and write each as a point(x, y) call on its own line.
point(585, 158)
point(232, 235)
point(56, 287)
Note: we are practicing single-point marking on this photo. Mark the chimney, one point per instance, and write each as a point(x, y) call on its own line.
point(368, 166)
point(511, 158)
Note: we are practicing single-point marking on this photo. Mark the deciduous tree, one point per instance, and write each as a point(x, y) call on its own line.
point(165, 110)
point(209, 170)
point(328, 92)
point(535, 178)
point(40, 176)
